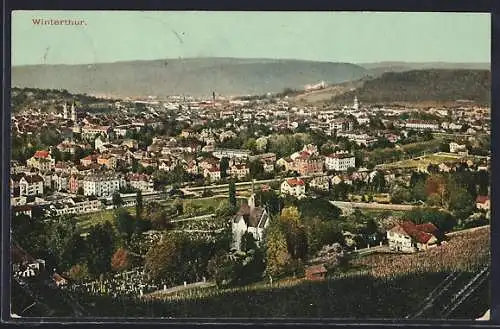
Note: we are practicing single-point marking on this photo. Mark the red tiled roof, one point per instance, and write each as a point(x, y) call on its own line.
point(295, 181)
point(316, 269)
point(41, 154)
point(482, 198)
point(428, 228)
point(417, 231)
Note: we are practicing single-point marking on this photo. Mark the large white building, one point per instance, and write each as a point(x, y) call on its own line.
point(360, 139)
point(102, 184)
point(421, 125)
point(340, 161)
point(75, 205)
point(91, 132)
point(231, 153)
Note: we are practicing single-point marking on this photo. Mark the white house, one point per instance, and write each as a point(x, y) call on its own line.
point(483, 202)
point(102, 185)
point(408, 237)
point(294, 187)
point(249, 218)
point(141, 182)
point(31, 185)
point(239, 170)
point(60, 182)
point(455, 147)
point(321, 183)
point(212, 173)
point(340, 161)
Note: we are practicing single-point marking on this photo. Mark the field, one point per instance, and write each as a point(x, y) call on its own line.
point(381, 198)
point(462, 252)
point(84, 222)
point(201, 206)
point(420, 162)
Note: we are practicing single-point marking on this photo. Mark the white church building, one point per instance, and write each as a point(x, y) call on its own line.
point(252, 219)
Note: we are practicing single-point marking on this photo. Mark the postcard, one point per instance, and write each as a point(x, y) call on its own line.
point(258, 165)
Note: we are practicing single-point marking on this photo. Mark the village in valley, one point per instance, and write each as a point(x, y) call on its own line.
point(158, 200)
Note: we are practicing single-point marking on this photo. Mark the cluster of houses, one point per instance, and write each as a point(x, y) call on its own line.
point(309, 162)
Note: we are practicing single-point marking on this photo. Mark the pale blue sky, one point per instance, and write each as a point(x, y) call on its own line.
point(324, 36)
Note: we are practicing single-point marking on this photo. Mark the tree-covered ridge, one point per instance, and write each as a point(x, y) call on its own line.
point(27, 97)
point(424, 85)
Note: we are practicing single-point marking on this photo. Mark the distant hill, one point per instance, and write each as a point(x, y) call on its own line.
point(383, 67)
point(422, 86)
point(196, 76)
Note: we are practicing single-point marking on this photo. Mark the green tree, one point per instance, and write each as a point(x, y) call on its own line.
point(277, 256)
point(461, 203)
point(320, 233)
point(232, 194)
point(56, 154)
point(400, 194)
point(138, 205)
point(295, 232)
point(483, 181)
point(247, 242)
point(125, 223)
point(224, 166)
point(117, 200)
point(79, 273)
point(256, 169)
point(165, 261)
point(101, 244)
point(222, 269)
point(135, 165)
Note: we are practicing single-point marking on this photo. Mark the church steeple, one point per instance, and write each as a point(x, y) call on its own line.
point(73, 112)
point(65, 111)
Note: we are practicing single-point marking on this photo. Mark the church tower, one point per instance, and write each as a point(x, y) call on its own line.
point(356, 104)
point(73, 112)
point(65, 111)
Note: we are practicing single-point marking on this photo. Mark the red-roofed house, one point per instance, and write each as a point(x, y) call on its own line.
point(42, 154)
point(88, 160)
point(483, 202)
point(42, 161)
point(212, 173)
point(316, 272)
point(408, 237)
point(295, 187)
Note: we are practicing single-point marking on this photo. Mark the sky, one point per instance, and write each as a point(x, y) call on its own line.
point(355, 37)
